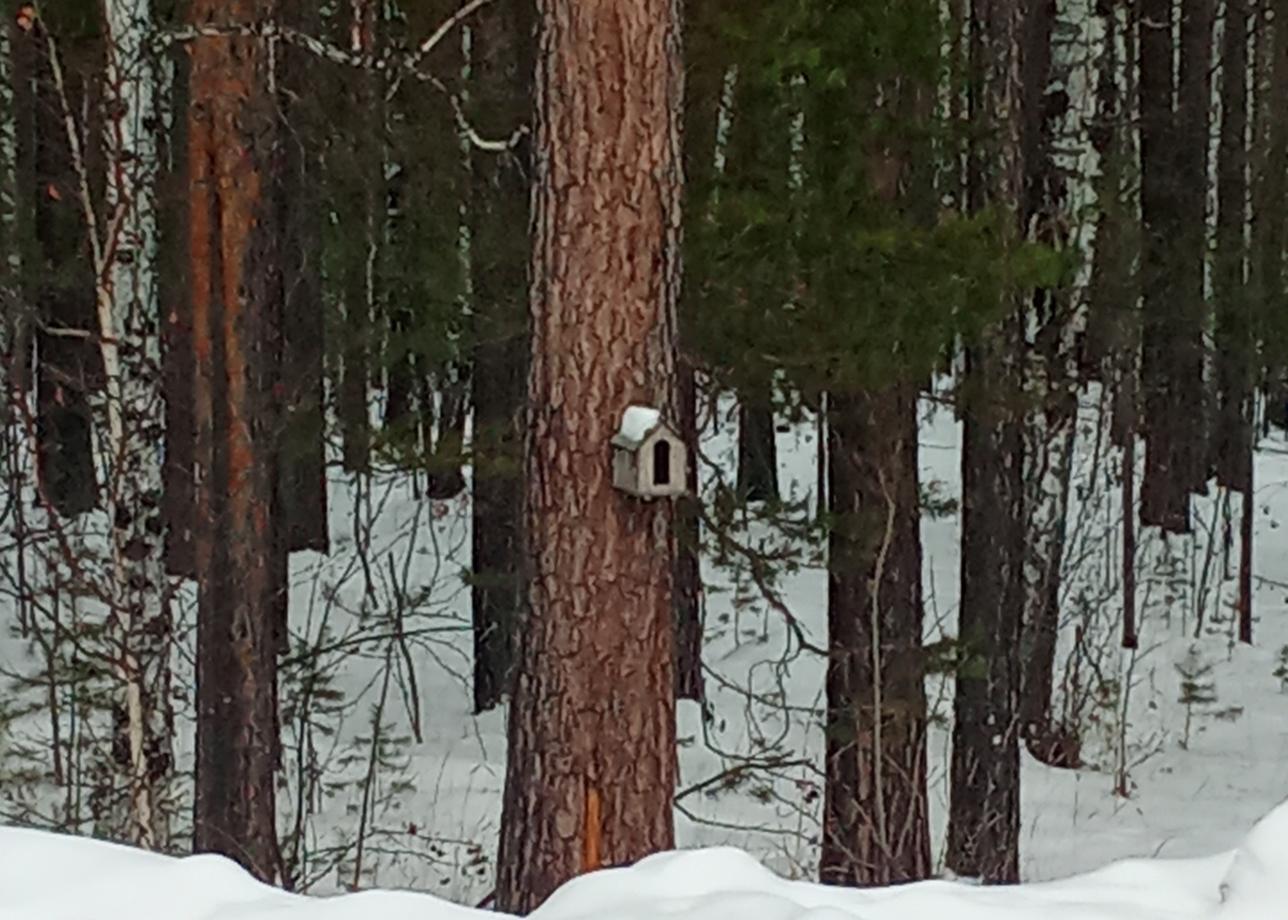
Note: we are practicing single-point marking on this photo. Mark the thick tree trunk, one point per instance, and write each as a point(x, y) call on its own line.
point(501, 68)
point(875, 829)
point(984, 819)
point(236, 295)
point(591, 769)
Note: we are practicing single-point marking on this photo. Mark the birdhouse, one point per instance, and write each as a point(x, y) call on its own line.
point(649, 458)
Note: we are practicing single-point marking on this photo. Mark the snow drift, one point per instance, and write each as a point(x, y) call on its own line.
point(47, 876)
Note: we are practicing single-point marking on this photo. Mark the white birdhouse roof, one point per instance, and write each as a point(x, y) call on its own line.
point(638, 422)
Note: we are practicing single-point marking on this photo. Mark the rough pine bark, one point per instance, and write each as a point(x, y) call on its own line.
point(875, 829)
point(236, 294)
point(591, 768)
point(501, 70)
point(1231, 444)
point(984, 818)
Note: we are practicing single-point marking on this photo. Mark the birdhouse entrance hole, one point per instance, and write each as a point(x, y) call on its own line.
point(662, 463)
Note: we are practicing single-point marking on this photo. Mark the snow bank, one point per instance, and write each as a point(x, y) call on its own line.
point(52, 877)
point(1258, 874)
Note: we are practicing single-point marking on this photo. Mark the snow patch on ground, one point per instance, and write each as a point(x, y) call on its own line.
point(45, 876)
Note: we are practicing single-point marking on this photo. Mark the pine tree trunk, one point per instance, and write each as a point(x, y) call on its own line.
point(177, 359)
point(1165, 488)
point(1187, 360)
point(687, 590)
point(984, 819)
point(707, 67)
point(501, 68)
point(236, 294)
point(1232, 435)
point(360, 197)
point(757, 452)
point(68, 366)
point(1269, 222)
point(591, 769)
point(11, 308)
point(875, 829)
point(303, 449)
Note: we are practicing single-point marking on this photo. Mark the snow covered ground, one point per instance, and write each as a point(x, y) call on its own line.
point(426, 804)
point(45, 876)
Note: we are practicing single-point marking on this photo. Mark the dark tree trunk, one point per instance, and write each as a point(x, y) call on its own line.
point(1187, 359)
point(1109, 298)
point(235, 277)
point(501, 99)
point(875, 829)
point(298, 199)
point(592, 763)
point(1269, 221)
point(1051, 370)
point(1232, 435)
point(68, 366)
point(687, 590)
point(1165, 488)
point(984, 819)
point(706, 62)
point(177, 355)
point(757, 452)
point(359, 192)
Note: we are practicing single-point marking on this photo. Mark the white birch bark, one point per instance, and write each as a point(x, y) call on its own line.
point(129, 335)
point(1051, 372)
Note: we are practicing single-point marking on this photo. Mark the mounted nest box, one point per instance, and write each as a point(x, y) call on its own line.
point(649, 458)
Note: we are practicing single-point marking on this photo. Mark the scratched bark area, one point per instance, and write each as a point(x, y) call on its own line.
point(591, 769)
point(235, 289)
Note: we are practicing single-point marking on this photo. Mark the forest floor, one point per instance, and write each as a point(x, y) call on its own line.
point(750, 767)
point(407, 768)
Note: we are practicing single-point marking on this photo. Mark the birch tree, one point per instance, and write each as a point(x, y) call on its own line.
point(120, 228)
